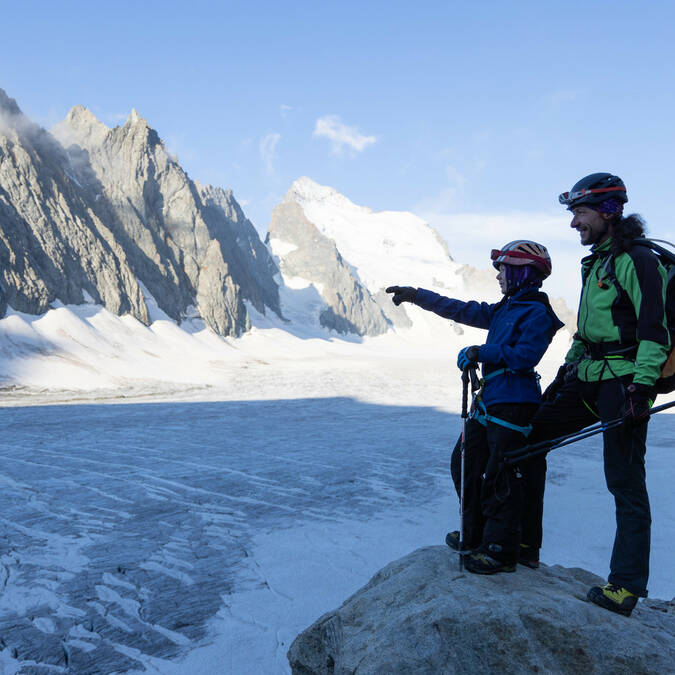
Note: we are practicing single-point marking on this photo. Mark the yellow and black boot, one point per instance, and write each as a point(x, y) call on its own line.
point(614, 598)
point(452, 540)
point(481, 563)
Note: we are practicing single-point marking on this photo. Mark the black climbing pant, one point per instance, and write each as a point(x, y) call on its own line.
point(494, 494)
point(581, 404)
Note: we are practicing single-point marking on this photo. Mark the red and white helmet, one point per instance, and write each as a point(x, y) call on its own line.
point(523, 252)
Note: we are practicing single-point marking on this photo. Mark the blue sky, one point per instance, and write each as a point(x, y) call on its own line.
point(440, 108)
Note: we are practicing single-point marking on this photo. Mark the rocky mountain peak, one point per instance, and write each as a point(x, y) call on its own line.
point(137, 129)
point(79, 115)
point(13, 123)
point(81, 127)
point(135, 118)
point(8, 106)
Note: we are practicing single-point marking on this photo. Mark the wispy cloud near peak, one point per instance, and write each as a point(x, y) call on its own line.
point(341, 135)
point(267, 148)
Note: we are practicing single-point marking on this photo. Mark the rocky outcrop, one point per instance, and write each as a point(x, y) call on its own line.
point(310, 255)
point(420, 614)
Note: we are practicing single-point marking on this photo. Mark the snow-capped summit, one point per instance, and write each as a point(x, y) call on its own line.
point(349, 254)
point(380, 245)
point(306, 191)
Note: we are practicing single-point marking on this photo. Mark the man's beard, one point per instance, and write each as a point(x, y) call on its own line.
point(600, 234)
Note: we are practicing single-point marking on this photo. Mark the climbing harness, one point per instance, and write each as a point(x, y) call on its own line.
point(479, 411)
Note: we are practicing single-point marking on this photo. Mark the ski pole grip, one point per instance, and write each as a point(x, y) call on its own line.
point(465, 392)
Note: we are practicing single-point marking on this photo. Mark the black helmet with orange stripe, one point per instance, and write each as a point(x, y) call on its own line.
point(595, 189)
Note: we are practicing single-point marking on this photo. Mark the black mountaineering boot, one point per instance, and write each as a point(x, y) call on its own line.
point(480, 563)
point(452, 540)
point(528, 556)
point(614, 598)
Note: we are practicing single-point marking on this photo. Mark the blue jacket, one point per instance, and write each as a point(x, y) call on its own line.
point(520, 329)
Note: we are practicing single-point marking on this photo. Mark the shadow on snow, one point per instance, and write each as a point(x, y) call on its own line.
point(125, 525)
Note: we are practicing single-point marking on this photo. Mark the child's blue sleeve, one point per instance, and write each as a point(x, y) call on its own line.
point(472, 313)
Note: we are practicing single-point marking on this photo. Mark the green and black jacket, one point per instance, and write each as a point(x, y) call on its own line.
point(622, 306)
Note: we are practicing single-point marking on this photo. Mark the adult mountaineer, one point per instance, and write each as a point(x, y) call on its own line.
point(611, 368)
point(520, 329)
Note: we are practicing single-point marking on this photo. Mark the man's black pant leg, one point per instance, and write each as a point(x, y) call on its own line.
point(624, 460)
point(564, 415)
point(534, 480)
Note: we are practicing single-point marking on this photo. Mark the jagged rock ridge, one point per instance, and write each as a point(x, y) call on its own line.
point(53, 244)
point(200, 245)
point(113, 209)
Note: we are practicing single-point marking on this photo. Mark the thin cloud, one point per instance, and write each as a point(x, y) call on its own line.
point(340, 135)
point(449, 197)
point(285, 109)
point(267, 148)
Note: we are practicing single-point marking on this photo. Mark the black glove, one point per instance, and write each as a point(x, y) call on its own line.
point(566, 373)
point(402, 294)
point(638, 401)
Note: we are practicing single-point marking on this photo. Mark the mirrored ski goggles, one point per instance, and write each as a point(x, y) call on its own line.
point(569, 197)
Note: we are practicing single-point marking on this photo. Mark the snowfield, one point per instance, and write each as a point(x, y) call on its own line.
point(174, 502)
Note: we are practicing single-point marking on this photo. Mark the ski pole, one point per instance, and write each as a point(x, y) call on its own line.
point(465, 414)
point(535, 449)
point(528, 451)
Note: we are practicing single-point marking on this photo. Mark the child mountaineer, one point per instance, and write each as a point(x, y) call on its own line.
point(520, 328)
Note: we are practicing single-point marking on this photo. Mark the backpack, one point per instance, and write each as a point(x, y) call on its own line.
point(666, 382)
